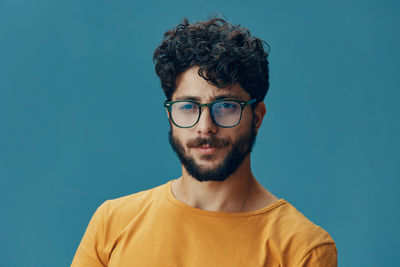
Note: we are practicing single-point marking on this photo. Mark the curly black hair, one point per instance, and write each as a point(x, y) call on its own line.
point(226, 54)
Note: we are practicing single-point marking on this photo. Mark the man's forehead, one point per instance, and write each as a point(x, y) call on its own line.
point(191, 86)
point(210, 93)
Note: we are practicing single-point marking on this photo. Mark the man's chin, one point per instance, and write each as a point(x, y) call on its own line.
point(208, 175)
point(209, 161)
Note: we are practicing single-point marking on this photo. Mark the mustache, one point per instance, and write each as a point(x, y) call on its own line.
point(211, 141)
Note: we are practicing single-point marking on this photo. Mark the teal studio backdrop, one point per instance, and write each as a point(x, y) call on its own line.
point(82, 121)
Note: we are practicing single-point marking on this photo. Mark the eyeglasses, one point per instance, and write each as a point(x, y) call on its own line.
point(224, 113)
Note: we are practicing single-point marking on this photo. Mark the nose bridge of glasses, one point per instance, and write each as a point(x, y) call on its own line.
point(209, 115)
point(201, 107)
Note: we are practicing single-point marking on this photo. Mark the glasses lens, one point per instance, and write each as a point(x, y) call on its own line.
point(226, 113)
point(184, 114)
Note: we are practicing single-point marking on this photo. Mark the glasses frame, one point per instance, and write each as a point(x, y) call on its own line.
point(243, 104)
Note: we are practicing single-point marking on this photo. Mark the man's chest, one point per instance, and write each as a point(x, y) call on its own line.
point(192, 242)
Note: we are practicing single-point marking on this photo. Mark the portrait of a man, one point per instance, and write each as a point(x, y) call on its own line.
point(215, 77)
point(199, 133)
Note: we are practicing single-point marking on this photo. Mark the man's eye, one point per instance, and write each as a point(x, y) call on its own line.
point(227, 105)
point(188, 106)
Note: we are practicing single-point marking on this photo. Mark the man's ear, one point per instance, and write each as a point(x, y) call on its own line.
point(259, 112)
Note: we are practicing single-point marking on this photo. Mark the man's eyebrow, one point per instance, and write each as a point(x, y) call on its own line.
point(224, 96)
point(197, 99)
point(184, 97)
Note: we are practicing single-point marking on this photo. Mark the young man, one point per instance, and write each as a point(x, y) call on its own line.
point(215, 77)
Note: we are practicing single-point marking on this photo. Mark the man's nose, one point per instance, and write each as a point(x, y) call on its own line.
point(206, 125)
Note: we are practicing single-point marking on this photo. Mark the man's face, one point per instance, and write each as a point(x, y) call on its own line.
point(209, 152)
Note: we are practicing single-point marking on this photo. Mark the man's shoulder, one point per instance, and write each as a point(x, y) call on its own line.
point(138, 198)
point(127, 207)
point(289, 231)
point(299, 230)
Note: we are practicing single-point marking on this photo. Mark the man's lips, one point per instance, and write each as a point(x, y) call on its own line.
point(206, 149)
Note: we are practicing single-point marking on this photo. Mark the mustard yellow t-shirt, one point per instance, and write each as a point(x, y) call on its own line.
point(152, 228)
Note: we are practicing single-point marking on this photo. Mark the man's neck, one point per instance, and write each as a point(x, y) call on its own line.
point(240, 192)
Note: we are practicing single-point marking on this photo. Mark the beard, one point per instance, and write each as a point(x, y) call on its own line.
point(240, 149)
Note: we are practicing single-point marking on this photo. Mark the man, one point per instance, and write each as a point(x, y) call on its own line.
point(215, 77)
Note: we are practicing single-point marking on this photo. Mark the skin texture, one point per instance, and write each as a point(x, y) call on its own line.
point(240, 191)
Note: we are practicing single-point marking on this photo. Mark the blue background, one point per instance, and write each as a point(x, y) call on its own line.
point(81, 116)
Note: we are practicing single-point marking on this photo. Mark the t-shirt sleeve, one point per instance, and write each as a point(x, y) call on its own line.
point(322, 256)
point(91, 248)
